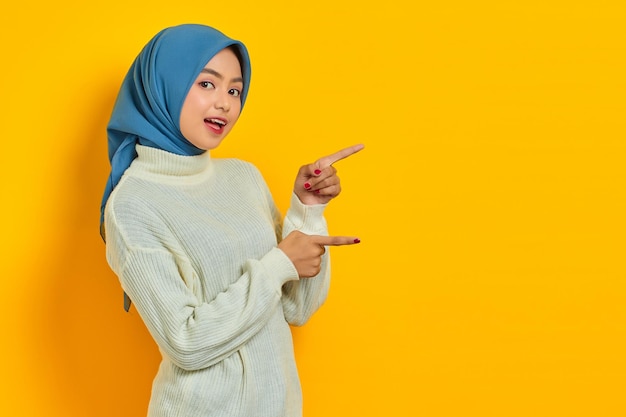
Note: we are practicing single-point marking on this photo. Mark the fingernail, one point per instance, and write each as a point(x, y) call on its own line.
point(317, 172)
point(317, 191)
point(307, 185)
point(357, 240)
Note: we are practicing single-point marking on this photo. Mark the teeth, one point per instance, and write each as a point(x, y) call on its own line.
point(218, 122)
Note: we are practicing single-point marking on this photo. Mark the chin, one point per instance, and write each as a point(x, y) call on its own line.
point(207, 145)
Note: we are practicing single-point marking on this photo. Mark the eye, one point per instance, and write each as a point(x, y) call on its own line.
point(206, 84)
point(234, 92)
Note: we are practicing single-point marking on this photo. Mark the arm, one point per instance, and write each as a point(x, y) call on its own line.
point(190, 333)
point(302, 298)
point(316, 184)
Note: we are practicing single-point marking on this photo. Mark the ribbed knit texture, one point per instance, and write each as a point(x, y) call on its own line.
point(193, 241)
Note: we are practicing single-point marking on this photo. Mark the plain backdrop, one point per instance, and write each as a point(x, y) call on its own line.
point(489, 200)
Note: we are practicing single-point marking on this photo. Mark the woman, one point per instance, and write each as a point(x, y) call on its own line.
point(198, 244)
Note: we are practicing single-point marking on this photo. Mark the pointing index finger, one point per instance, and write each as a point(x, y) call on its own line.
point(335, 240)
point(337, 156)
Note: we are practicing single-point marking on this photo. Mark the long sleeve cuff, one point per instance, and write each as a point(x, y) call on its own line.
point(280, 267)
point(308, 219)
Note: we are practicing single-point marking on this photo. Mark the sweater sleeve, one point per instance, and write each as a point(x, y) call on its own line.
point(302, 298)
point(190, 333)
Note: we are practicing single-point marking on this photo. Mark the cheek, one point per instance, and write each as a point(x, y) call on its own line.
point(187, 117)
point(194, 103)
point(236, 110)
point(191, 109)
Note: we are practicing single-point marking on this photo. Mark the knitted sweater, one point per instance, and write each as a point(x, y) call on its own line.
point(193, 241)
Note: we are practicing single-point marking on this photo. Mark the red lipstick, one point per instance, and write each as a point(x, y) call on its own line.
point(216, 124)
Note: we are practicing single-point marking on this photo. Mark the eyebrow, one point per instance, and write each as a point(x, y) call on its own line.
point(220, 76)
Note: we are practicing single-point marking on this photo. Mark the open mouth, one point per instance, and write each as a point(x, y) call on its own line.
point(215, 124)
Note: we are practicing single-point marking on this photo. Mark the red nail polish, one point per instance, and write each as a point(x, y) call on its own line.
point(357, 240)
point(317, 191)
point(307, 185)
point(317, 172)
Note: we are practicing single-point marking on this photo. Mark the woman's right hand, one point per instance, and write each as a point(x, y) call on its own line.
point(305, 251)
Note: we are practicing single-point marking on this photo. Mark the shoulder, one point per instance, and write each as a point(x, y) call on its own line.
point(132, 214)
point(237, 165)
point(247, 179)
point(240, 170)
point(130, 195)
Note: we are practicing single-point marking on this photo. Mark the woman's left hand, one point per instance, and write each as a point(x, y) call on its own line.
point(318, 183)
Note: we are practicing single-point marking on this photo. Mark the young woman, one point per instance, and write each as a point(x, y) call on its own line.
point(197, 242)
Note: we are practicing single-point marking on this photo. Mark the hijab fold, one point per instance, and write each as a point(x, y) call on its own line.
point(147, 108)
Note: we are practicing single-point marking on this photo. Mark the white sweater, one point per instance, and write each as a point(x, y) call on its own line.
point(193, 241)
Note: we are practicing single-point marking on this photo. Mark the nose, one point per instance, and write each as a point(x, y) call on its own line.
point(223, 102)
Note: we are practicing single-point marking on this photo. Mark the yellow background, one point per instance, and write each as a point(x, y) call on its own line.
point(489, 200)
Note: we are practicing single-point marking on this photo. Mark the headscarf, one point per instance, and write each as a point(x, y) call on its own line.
point(148, 106)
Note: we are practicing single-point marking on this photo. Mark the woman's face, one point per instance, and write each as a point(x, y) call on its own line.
point(213, 103)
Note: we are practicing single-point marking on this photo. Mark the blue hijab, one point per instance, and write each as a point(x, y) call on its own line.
point(147, 109)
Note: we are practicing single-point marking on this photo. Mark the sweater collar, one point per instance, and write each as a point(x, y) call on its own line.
point(159, 162)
